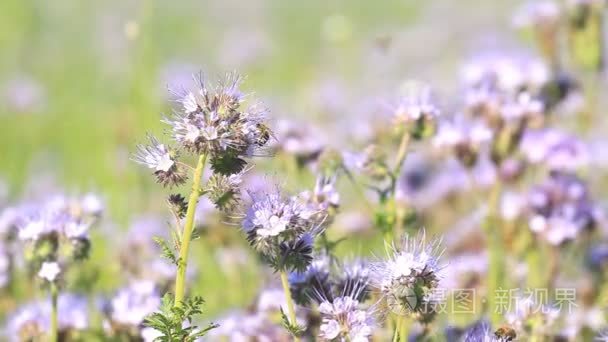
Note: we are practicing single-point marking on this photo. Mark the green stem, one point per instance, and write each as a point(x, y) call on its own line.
point(403, 329)
point(391, 202)
point(536, 266)
point(401, 154)
point(494, 236)
point(180, 279)
point(397, 330)
point(290, 308)
point(54, 325)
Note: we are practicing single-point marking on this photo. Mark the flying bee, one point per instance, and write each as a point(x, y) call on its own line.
point(265, 134)
point(505, 333)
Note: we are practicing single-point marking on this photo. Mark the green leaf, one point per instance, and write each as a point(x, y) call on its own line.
point(166, 251)
point(293, 328)
point(169, 320)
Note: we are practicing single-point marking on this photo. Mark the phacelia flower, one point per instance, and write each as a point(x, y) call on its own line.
point(417, 110)
point(325, 193)
point(215, 122)
point(32, 321)
point(163, 161)
point(298, 139)
point(463, 138)
point(409, 276)
point(246, 326)
point(132, 304)
point(282, 229)
point(353, 277)
point(561, 208)
point(555, 149)
point(312, 283)
point(506, 73)
point(343, 320)
point(54, 231)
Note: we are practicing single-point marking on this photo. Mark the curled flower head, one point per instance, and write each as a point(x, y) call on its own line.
point(282, 229)
point(409, 276)
point(312, 283)
point(224, 191)
point(353, 277)
point(343, 319)
point(214, 121)
point(160, 158)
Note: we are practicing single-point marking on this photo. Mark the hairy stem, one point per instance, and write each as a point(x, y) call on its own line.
point(494, 237)
point(180, 279)
point(290, 308)
point(54, 332)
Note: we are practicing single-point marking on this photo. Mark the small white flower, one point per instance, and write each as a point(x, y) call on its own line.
point(49, 271)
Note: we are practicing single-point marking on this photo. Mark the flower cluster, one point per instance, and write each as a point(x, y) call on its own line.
point(211, 122)
point(416, 110)
point(554, 149)
point(409, 276)
point(282, 229)
point(344, 320)
point(31, 321)
point(126, 310)
point(214, 122)
point(163, 160)
point(326, 278)
point(56, 232)
point(464, 138)
point(561, 208)
point(255, 323)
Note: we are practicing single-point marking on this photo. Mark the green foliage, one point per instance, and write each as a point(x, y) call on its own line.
point(293, 328)
point(175, 322)
point(227, 164)
point(166, 250)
